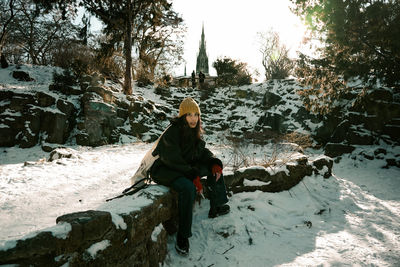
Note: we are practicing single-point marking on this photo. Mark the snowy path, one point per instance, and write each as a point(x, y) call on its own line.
point(33, 196)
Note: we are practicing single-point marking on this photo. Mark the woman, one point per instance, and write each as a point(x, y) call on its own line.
point(183, 160)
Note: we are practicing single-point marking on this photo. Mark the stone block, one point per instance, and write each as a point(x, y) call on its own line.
point(334, 150)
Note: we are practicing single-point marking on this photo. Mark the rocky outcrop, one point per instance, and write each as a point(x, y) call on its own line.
point(135, 236)
point(92, 114)
point(26, 118)
point(106, 117)
point(278, 176)
point(96, 112)
point(364, 121)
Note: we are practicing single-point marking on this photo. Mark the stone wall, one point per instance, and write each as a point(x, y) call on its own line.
point(136, 235)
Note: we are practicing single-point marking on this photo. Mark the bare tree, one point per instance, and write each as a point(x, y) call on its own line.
point(7, 14)
point(275, 59)
point(38, 34)
point(161, 47)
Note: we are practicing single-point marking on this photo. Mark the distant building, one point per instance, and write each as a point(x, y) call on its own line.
point(201, 65)
point(202, 58)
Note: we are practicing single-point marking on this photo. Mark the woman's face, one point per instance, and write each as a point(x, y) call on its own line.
point(192, 119)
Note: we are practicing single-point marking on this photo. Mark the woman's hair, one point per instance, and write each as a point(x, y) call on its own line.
point(188, 133)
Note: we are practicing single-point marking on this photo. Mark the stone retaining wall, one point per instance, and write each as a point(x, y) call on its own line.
point(130, 231)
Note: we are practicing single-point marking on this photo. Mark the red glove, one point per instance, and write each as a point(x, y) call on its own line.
point(197, 183)
point(216, 169)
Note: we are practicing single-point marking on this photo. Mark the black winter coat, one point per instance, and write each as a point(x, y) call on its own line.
point(180, 159)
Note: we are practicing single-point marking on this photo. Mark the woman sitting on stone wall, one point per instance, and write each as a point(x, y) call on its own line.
point(183, 160)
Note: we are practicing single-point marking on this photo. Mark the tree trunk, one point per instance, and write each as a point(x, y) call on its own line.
point(128, 51)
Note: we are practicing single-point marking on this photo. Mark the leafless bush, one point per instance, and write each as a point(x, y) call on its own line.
point(275, 58)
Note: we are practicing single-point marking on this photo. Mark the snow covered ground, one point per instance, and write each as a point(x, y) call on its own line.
point(352, 218)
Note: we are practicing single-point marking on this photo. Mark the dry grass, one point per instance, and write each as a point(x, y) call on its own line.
point(283, 148)
point(303, 140)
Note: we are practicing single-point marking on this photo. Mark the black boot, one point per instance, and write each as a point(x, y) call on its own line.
point(182, 245)
point(218, 211)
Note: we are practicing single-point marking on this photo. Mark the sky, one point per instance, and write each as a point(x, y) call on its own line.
point(231, 27)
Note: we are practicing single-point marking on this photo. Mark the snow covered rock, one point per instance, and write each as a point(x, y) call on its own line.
point(60, 153)
point(279, 176)
point(22, 76)
point(25, 115)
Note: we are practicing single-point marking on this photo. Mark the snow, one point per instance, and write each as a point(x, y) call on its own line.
point(157, 230)
point(99, 246)
point(351, 218)
point(254, 183)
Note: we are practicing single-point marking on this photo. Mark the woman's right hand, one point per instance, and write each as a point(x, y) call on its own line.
point(199, 186)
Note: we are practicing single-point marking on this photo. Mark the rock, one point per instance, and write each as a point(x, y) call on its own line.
point(340, 133)
point(276, 122)
point(333, 149)
point(67, 108)
point(60, 153)
point(380, 95)
point(393, 131)
point(136, 237)
point(104, 93)
point(56, 125)
point(302, 115)
point(373, 123)
point(138, 128)
point(270, 100)
point(66, 89)
point(358, 138)
point(321, 162)
point(367, 155)
point(22, 76)
point(99, 122)
point(32, 251)
point(6, 94)
point(47, 147)
point(22, 101)
point(28, 138)
point(392, 162)
point(86, 226)
point(380, 151)
point(122, 113)
point(267, 179)
point(7, 136)
point(45, 100)
point(324, 133)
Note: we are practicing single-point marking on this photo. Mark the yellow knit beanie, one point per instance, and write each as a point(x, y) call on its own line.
point(188, 105)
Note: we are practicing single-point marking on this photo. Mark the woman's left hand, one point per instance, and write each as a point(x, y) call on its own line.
point(216, 171)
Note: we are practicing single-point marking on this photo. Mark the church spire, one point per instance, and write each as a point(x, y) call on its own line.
point(202, 59)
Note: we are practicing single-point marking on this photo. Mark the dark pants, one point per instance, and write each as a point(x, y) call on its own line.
point(186, 196)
